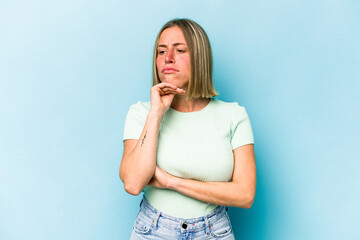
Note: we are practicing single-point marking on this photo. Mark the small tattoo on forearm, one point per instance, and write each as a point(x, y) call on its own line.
point(143, 140)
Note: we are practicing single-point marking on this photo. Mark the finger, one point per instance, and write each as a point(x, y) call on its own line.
point(179, 90)
point(169, 90)
point(161, 92)
point(166, 89)
point(164, 84)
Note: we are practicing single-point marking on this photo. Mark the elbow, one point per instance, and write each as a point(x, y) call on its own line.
point(246, 201)
point(131, 189)
point(249, 200)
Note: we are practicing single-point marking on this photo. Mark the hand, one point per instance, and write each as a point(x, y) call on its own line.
point(161, 179)
point(162, 95)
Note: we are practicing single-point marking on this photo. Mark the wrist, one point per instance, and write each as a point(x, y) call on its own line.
point(157, 113)
point(173, 182)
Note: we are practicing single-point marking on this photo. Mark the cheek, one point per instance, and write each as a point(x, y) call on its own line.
point(187, 65)
point(158, 64)
point(157, 61)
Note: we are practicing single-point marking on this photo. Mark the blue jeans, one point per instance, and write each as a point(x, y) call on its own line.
point(150, 223)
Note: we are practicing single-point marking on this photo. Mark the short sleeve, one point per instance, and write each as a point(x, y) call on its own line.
point(135, 120)
point(241, 131)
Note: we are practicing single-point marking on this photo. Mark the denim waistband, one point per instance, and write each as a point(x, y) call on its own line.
point(182, 224)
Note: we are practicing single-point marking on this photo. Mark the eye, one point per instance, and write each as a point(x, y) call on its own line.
point(181, 50)
point(161, 52)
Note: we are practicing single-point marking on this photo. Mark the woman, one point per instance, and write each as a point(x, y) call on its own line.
point(191, 154)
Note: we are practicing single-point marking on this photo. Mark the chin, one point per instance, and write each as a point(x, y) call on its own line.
point(179, 84)
point(171, 81)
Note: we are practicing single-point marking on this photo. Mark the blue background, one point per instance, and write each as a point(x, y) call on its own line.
point(69, 70)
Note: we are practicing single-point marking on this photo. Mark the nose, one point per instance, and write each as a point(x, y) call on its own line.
point(169, 57)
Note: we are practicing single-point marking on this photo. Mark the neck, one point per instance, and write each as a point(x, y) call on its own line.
point(181, 104)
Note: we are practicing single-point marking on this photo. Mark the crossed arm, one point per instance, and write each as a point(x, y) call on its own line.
point(240, 192)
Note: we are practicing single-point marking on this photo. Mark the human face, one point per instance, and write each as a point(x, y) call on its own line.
point(173, 58)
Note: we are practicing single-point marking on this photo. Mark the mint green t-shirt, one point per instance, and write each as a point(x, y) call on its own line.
point(193, 145)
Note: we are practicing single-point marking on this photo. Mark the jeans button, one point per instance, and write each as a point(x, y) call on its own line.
point(184, 225)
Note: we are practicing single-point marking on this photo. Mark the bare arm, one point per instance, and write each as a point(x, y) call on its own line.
point(138, 163)
point(139, 157)
point(240, 192)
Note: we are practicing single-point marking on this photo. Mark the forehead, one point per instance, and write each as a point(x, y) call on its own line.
point(172, 35)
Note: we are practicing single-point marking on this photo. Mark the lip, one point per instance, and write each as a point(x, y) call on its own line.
point(169, 70)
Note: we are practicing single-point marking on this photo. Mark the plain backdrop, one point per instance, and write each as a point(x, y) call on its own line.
point(69, 70)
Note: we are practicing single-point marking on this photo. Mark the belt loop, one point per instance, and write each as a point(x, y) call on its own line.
point(226, 208)
point(141, 202)
point(207, 226)
point(156, 219)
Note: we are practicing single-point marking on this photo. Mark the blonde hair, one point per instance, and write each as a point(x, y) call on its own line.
point(200, 82)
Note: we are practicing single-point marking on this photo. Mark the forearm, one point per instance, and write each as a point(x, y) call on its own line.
point(138, 167)
point(240, 192)
point(233, 194)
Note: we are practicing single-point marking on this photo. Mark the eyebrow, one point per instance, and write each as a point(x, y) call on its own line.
point(174, 44)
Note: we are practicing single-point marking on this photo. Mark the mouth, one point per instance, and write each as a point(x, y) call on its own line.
point(169, 70)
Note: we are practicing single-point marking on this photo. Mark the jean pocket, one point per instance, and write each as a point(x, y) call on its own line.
point(221, 227)
point(142, 225)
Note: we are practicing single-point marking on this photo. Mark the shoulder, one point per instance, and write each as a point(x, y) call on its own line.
point(230, 112)
point(135, 120)
point(228, 107)
point(140, 107)
point(139, 110)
